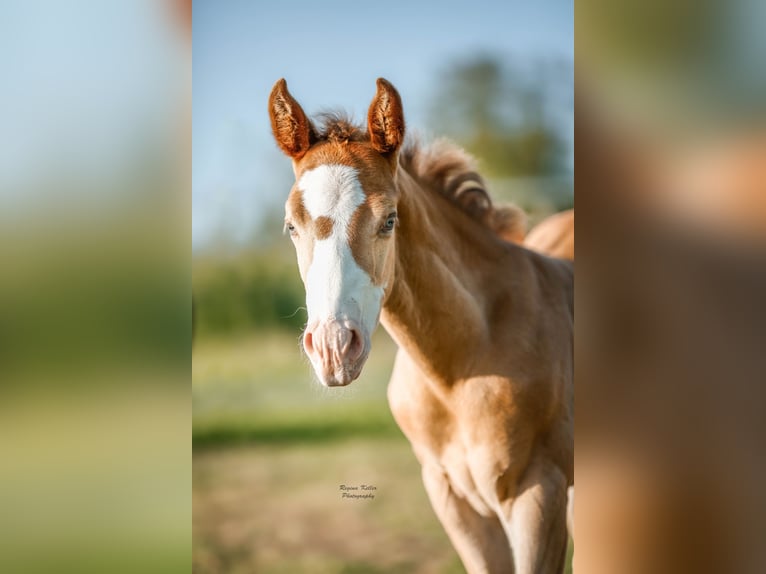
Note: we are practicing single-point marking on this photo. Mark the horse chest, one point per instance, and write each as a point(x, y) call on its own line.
point(436, 431)
point(431, 430)
point(422, 416)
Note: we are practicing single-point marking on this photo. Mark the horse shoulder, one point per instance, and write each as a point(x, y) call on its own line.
point(419, 410)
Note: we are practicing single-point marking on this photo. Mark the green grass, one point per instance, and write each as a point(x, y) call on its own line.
point(296, 426)
point(261, 389)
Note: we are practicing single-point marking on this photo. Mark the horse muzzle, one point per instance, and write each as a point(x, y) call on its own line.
point(337, 350)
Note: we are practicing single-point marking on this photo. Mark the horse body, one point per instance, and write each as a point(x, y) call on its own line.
point(489, 421)
point(482, 384)
point(554, 235)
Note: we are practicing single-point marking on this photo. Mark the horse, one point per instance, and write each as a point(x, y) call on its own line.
point(482, 384)
point(554, 235)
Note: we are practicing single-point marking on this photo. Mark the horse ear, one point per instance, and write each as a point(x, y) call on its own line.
point(292, 129)
point(385, 119)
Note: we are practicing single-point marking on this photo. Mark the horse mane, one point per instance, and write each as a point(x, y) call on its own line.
point(446, 167)
point(443, 166)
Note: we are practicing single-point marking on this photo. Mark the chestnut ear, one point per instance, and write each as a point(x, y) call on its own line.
point(292, 129)
point(385, 119)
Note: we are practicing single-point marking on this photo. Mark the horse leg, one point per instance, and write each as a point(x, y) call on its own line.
point(570, 517)
point(480, 541)
point(535, 519)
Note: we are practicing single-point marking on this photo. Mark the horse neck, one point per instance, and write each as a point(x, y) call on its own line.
point(450, 273)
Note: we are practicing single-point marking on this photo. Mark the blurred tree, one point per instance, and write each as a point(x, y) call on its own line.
point(503, 115)
point(247, 290)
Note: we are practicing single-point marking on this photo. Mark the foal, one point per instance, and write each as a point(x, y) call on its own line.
point(482, 384)
point(554, 235)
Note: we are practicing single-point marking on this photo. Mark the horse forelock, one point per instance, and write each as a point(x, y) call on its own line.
point(337, 127)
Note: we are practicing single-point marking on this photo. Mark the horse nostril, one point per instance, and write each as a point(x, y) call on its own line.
point(308, 342)
point(356, 345)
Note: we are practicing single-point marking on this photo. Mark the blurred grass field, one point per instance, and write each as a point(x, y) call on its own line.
point(271, 449)
point(261, 388)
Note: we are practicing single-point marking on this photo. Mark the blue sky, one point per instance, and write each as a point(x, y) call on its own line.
point(330, 52)
point(86, 88)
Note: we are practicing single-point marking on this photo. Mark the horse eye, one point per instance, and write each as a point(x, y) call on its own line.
point(390, 223)
point(289, 228)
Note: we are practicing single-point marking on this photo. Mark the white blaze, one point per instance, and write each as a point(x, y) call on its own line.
point(336, 287)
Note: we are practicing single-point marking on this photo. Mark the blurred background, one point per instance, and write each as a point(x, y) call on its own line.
point(271, 447)
point(671, 273)
point(95, 286)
